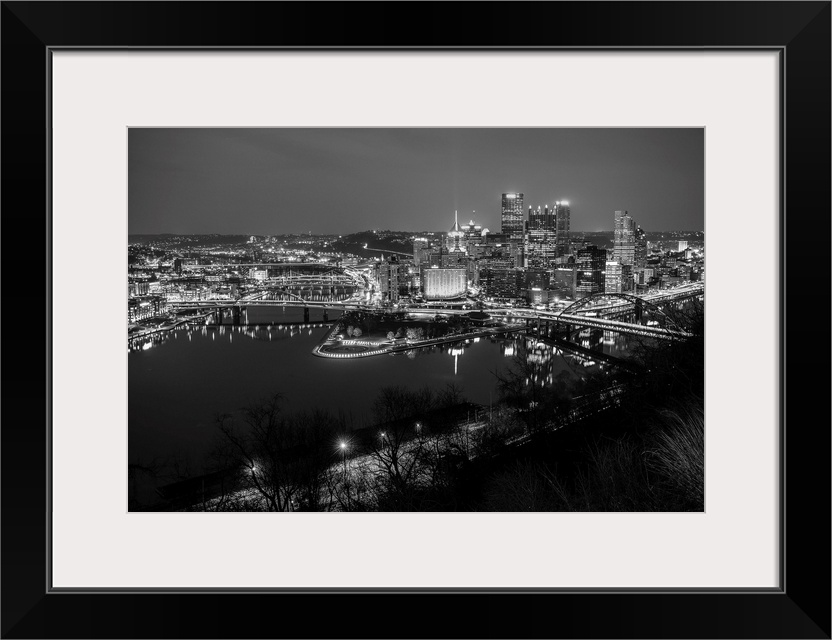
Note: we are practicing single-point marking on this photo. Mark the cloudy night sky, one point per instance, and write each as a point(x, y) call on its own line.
point(339, 181)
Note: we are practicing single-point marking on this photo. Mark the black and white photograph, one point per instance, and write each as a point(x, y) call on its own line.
point(437, 275)
point(416, 319)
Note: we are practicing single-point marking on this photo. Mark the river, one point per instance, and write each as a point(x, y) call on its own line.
point(179, 381)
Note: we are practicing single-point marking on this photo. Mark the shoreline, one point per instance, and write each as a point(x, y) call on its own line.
point(382, 348)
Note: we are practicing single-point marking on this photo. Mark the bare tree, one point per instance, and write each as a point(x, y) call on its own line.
point(403, 454)
point(397, 454)
point(266, 445)
point(314, 458)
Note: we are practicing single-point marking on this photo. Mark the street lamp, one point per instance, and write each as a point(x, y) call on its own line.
point(343, 447)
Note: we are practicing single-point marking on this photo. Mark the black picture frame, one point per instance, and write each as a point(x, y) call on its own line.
point(800, 31)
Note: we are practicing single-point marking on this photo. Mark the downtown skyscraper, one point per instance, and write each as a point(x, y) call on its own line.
point(563, 247)
point(640, 248)
point(512, 216)
point(591, 261)
point(541, 238)
point(547, 235)
point(624, 239)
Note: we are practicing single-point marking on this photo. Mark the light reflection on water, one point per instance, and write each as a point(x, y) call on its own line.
point(177, 387)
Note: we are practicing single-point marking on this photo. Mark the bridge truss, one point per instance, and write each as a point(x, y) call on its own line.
point(636, 301)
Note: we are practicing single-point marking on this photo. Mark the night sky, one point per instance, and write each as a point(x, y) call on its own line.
point(339, 181)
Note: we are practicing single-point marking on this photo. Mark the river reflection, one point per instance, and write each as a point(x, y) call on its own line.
point(180, 380)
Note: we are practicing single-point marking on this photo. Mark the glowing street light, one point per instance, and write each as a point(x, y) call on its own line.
point(343, 446)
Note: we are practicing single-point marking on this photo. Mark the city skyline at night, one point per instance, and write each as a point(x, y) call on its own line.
point(389, 319)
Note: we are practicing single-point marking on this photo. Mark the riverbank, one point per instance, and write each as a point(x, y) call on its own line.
point(332, 347)
point(135, 331)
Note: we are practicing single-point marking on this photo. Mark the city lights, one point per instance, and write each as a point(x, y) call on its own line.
point(353, 332)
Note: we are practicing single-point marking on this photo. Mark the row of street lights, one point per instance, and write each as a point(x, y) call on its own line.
point(343, 446)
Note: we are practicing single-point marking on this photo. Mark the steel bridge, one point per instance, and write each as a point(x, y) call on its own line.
point(634, 306)
point(325, 274)
point(570, 320)
point(313, 280)
point(653, 301)
point(260, 265)
point(259, 302)
point(623, 327)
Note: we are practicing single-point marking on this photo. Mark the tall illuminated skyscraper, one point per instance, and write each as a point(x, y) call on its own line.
point(562, 229)
point(624, 239)
point(512, 215)
point(640, 249)
point(540, 238)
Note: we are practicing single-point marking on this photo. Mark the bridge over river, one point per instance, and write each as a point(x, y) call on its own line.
point(595, 312)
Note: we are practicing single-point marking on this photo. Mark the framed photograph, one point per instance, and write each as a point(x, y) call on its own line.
point(441, 299)
point(382, 370)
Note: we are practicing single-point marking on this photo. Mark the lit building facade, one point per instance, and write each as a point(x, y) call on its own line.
point(388, 279)
point(537, 296)
point(590, 270)
point(624, 245)
point(420, 251)
point(612, 277)
point(562, 214)
point(444, 284)
point(472, 234)
point(511, 215)
point(259, 274)
point(541, 236)
point(640, 254)
point(541, 218)
point(501, 283)
point(493, 250)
